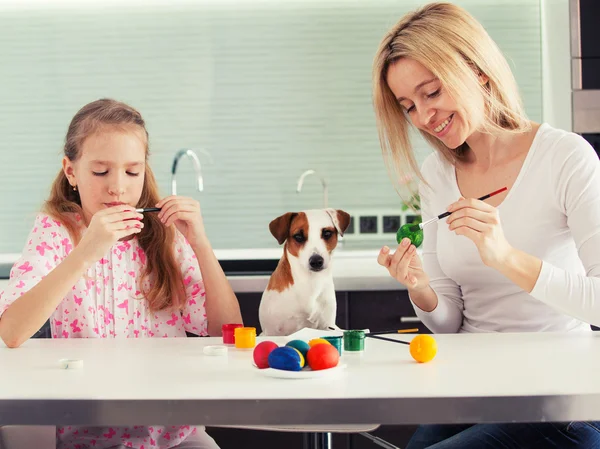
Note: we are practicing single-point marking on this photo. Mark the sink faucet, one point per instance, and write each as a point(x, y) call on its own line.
point(197, 168)
point(323, 183)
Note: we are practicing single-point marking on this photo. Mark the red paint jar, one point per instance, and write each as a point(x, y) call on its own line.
point(228, 331)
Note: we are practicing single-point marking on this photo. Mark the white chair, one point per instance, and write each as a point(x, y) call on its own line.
point(28, 437)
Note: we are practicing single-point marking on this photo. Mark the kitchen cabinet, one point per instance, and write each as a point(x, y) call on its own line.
point(382, 310)
point(249, 303)
point(228, 438)
point(377, 311)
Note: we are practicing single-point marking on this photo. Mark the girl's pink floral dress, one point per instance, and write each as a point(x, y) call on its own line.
point(105, 303)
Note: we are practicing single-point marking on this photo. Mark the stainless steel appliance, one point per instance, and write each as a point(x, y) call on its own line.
point(585, 67)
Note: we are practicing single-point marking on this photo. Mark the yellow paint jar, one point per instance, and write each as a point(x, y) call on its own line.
point(245, 337)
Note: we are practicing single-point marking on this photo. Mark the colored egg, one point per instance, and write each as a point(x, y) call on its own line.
point(261, 353)
point(412, 231)
point(302, 359)
point(317, 341)
point(285, 358)
point(322, 357)
point(423, 348)
point(300, 345)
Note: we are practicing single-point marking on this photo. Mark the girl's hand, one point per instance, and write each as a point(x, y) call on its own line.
point(480, 222)
point(185, 214)
point(108, 226)
point(404, 265)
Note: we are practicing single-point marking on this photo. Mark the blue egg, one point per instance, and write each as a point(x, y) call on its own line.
point(300, 345)
point(285, 358)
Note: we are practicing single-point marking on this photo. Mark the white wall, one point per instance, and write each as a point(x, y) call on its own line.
point(270, 88)
point(556, 64)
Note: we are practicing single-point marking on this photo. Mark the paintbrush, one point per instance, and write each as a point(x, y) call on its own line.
point(445, 214)
point(373, 335)
point(148, 209)
point(387, 339)
point(399, 331)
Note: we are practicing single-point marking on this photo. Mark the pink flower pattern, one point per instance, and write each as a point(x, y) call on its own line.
point(106, 303)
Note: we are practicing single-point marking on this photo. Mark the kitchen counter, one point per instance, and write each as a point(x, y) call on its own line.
point(248, 270)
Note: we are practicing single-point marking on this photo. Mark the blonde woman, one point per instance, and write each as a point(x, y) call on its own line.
point(527, 260)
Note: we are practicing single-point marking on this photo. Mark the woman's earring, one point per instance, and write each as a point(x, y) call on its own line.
point(75, 188)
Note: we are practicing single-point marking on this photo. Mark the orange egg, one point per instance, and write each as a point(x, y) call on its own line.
point(322, 356)
point(423, 348)
point(317, 341)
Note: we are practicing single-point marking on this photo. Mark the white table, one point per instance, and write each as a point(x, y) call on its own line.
point(474, 378)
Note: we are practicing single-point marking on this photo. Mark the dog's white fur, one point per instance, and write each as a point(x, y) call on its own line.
point(310, 301)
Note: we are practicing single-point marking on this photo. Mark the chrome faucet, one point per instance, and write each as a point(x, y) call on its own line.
point(197, 168)
point(323, 183)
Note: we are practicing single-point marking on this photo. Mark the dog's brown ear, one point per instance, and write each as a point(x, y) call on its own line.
point(280, 227)
point(340, 219)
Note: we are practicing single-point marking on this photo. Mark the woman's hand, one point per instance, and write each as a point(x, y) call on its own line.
point(107, 227)
point(480, 222)
point(185, 214)
point(404, 265)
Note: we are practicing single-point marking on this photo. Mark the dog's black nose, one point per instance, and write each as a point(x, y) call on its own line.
point(316, 262)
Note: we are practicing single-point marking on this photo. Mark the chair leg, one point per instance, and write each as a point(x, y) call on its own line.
point(317, 440)
point(378, 441)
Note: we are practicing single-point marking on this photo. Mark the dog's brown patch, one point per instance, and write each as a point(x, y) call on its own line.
point(281, 278)
point(332, 242)
point(280, 227)
point(298, 226)
point(284, 228)
point(343, 219)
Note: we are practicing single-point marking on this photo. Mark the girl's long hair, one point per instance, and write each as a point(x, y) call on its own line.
point(161, 275)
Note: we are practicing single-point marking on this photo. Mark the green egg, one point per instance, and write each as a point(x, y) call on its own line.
point(300, 345)
point(412, 232)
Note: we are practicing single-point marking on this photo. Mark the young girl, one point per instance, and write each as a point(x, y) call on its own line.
point(99, 269)
point(525, 260)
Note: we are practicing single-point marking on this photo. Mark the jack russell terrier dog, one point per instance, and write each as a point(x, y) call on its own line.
point(300, 292)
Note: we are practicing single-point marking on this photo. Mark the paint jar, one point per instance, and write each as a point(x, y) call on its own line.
point(336, 341)
point(245, 337)
point(228, 333)
point(354, 341)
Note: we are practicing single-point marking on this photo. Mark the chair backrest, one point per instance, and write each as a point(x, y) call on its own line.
point(44, 332)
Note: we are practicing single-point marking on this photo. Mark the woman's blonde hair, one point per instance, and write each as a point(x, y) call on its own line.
point(455, 47)
point(161, 270)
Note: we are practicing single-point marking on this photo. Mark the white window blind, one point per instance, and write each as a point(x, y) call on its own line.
point(270, 89)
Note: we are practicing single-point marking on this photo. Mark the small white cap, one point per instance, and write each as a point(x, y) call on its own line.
point(215, 350)
point(71, 363)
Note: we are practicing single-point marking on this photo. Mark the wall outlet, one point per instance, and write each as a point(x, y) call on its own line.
point(391, 223)
point(411, 218)
point(377, 224)
point(369, 224)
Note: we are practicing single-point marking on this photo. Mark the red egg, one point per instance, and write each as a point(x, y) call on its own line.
point(322, 357)
point(261, 353)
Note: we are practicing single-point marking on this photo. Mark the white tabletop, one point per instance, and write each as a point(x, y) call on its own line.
point(474, 378)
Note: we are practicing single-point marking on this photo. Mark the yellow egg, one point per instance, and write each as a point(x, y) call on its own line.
point(317, 341)
point(423, 348)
